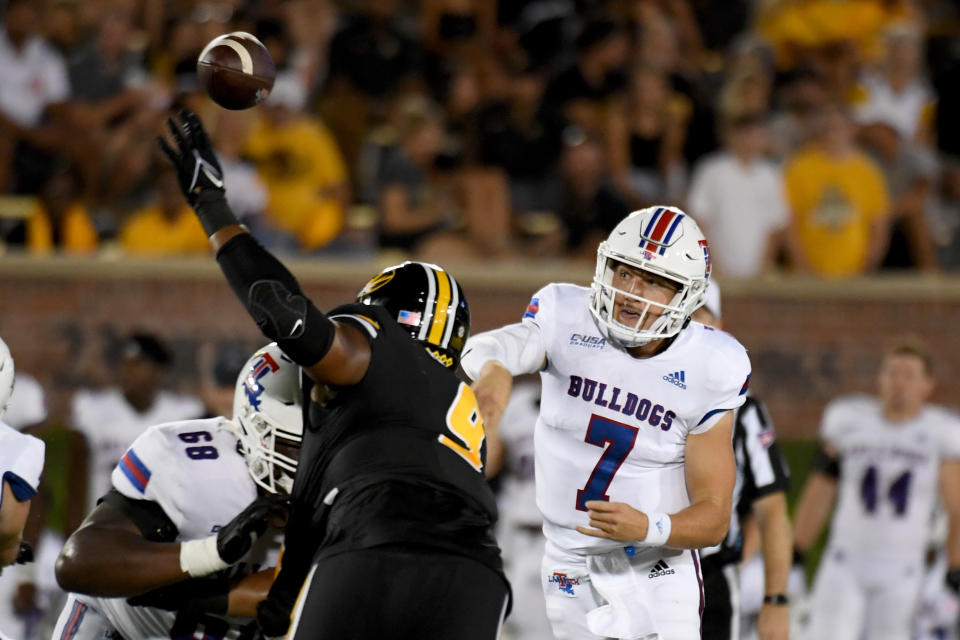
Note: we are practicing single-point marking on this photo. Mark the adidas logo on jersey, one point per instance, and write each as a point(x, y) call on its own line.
point(660, 569)
point(678, 378)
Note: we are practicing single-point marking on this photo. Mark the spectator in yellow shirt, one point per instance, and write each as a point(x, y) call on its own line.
point(167, 227)
point(839, 200)
point(59, 219)
point(300, 163)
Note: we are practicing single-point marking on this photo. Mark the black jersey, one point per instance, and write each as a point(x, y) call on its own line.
point(394, 459)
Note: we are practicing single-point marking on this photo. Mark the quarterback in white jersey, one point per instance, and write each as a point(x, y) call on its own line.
point(634, 466)
point(884, 461)
point(109, 419)
point(181, 486)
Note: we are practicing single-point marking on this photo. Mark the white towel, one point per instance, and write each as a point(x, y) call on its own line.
point(626, 615)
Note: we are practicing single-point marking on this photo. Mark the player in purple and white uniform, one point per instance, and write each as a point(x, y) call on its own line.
point(178, 511)
point(634, 465)
point(884, 460)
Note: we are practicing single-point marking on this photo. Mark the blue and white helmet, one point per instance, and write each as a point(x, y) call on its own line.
point(267, 411)
point(661, 240)
point(6, 376)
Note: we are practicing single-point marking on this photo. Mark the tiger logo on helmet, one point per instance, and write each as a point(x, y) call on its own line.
point(428, 303)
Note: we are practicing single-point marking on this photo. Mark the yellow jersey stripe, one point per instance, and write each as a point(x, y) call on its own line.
point(439, 322)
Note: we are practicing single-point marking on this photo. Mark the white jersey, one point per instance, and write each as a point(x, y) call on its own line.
point(192, 470)
point(889, 474)
point(21, 462)
point(614, 427)
point(110, 424)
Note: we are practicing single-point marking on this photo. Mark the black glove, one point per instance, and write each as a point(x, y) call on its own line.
point(237, 536)
point(194, 160)
point(25, 554)
point(197, 595)
point(273, 616)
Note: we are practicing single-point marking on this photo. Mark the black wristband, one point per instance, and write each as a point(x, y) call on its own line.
point(213, 211)
point(953, 580)
point(799, 558)
point(779, 599)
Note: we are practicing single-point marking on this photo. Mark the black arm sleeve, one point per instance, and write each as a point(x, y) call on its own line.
point(244, 261)
point(149, 517)
point(275, 301)
point(825, 463)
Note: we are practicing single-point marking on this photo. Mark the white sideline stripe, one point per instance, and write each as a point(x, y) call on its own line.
point(364, 323)
point(426, 322)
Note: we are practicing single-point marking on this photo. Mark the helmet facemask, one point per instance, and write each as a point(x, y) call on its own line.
point(268, 418)
point(683, 262)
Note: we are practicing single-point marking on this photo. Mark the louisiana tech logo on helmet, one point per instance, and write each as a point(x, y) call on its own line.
point(251, 383)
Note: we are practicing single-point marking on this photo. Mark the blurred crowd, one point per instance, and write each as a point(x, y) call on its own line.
point(809, 135)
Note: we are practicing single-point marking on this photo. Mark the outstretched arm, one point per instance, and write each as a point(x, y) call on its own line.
point(330, 352)
point(108, 556)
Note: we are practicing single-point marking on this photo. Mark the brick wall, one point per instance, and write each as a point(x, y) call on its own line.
point(809, 341)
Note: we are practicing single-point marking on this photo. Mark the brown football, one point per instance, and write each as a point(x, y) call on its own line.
point(236, 70)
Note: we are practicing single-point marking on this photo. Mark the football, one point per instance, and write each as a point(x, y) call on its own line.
point(236, 70)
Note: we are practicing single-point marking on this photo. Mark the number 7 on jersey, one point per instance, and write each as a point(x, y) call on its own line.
point(621, 438)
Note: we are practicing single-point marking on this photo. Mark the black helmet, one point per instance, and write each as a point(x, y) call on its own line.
point(427, 302)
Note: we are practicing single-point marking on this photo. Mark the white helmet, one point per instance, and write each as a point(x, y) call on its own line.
point(267, 406)
point(6, 376)
point(664, 241)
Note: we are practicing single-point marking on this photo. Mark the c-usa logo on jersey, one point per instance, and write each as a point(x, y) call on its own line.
point(588, 342)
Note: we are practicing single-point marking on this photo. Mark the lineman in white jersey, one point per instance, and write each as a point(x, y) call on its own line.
point(21, 463)
point(634, 466)
point(883, 460)
point(178, 512)
point(109, 419)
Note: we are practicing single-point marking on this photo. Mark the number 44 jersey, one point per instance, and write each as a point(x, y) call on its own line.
point(889, 474)
point(614, 427)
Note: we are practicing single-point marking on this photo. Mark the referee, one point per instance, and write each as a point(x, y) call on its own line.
point(760, 492)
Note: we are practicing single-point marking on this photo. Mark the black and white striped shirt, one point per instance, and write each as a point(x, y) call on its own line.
point(761, 470)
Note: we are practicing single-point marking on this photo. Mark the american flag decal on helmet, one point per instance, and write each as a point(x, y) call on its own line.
point(659, 231)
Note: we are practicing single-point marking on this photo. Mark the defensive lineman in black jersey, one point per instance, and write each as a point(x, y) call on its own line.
point(391, 519)
point(763, 481)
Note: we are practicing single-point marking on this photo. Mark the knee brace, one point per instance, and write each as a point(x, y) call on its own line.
point(289, 318)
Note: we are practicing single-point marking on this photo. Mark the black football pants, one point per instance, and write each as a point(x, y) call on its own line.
point(721, 615)
point(398, 593)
